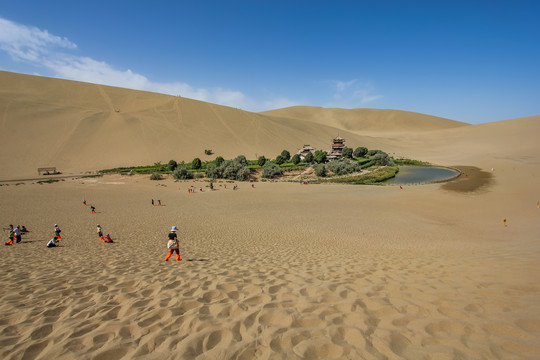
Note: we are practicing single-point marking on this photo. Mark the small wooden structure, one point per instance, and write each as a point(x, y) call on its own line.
point(47, 171)
point(305, 150)
point(338, 144)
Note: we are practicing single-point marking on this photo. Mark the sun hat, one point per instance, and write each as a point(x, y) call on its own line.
point(174, 228)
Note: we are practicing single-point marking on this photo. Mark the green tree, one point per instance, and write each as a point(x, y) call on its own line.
point(270, 170)
point(360, 152)
point(286, 155)
point(182, 173)
point(261, 161)
point(320, 156)
point(243, 173)
point(213, 172)
point(196, 163)
point(347, 152)
point(219, 160)
point(295, 159)
point(382, 159)
point(320, 170)
point(309, 157)
point(171, 165)
point(242, 160)
point(280, 160)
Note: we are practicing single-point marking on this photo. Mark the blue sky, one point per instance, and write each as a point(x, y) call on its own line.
point(472, 61)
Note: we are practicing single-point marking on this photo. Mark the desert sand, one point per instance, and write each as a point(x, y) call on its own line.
point(278, 271)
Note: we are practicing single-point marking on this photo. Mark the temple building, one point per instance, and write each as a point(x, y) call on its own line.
point(337, 148)
point(305, 150)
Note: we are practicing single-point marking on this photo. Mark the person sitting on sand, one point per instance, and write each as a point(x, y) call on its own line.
point(24, 229)
point(17, 234)
point(92, 209)
point(173, 244)
point(53, 242)
point(108, 239)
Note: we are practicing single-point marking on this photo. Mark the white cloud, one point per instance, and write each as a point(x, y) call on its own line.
point(44, 50)
point(343, 85)
point(29, 43)
point(352, 93)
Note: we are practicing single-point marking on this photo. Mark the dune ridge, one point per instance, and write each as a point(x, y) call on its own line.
point(367, 120)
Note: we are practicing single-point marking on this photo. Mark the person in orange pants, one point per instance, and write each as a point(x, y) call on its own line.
point(173, 244)
point(11, 235)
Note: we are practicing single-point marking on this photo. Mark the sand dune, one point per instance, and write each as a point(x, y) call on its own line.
point(367, 120)
point(278, 271)
point(85, 127)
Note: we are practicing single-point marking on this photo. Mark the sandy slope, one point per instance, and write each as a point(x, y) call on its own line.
point(81, 127)
point(279, 271)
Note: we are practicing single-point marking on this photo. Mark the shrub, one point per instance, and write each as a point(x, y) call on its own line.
point(196, 163)
point(159, 166)
point(295, 159)
point(373, 177)
point(309, 157)
point(347, 152)
point(208, 152)
point(373, 152)
point(182, 173)
point(155, 176)
point(320, 156)
point(344, 166)
point(261, 161)
point(286, 155)
point(171, 165)
point(271, 170)
point(219, 160)
point(360, 152)
point(320, 170)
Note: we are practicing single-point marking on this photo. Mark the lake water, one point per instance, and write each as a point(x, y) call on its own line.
point(421, 174)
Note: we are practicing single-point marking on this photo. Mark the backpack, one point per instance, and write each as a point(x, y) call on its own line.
point(172, 244)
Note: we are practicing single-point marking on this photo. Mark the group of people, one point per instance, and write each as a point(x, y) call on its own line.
point(55, 241)
point(158, 202)
point(92, 207)
point(106, 238)
point(15, 234)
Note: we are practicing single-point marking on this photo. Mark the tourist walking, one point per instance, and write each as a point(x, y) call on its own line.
point(173, 244)
point(100, 232)
point(11, 235)
point(57, 231)
point(92, 209)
